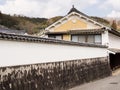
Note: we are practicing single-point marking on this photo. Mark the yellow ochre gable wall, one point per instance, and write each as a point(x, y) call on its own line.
point(71, 25)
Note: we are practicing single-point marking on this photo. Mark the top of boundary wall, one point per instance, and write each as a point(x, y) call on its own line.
point(34, 39)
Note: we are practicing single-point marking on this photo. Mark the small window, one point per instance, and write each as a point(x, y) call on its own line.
point(55, 37)
point(90, 39)
point(82, 38)
point(51, 36)
point(98, 39)
point(75, 38)
point(58, 37)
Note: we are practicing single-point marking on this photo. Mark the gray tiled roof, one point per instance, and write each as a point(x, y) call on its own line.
point(10, 31)
point(114, 50)
point(26, 38)
point(115, 32)
point(87, 31)
point(73, 9)
point(82, 31)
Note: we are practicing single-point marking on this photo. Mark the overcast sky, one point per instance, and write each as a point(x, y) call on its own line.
point(51, 8)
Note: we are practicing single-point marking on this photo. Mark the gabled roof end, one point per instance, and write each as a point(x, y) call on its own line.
point(73, 9)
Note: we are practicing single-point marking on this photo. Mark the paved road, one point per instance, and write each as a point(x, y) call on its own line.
point(110, 83)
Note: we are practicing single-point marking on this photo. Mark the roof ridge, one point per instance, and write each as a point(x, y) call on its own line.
point(73, 9)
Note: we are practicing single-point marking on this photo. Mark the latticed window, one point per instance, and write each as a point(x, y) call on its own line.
point(98, 39)
point(95, 39)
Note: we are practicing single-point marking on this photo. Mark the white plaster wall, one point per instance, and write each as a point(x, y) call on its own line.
point(114, 41)
point(17, 53)
point(105, 38)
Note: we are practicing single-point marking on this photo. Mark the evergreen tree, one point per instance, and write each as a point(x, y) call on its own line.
point(114, 25)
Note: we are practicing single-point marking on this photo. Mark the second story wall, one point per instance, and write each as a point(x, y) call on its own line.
point(105, 38)
point(114, 41)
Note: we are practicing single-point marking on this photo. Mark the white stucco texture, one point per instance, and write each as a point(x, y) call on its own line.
point(19, 53)
point(114, 41)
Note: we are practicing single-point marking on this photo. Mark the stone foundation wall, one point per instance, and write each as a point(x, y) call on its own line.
point(55, 75)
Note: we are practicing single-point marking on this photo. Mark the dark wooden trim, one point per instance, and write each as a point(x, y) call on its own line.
point(114, 32)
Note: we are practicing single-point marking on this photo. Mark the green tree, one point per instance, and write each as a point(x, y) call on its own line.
point(114, 25)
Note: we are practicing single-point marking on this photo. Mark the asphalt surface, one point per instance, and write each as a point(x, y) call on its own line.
point(109, 83)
